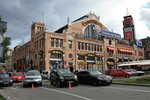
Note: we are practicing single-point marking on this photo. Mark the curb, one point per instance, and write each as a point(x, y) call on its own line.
point(132, 84)
point(4, 95)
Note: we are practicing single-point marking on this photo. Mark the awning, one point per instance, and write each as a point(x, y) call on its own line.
point(125, 50)
point(81, 62)
point(110, 48)
point(141, 62)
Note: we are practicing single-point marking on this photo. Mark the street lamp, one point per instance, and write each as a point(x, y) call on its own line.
point(102, 60)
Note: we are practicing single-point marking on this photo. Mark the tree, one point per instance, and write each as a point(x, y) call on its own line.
point(6, 40)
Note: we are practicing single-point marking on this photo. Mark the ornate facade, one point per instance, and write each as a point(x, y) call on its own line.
point(84, 44)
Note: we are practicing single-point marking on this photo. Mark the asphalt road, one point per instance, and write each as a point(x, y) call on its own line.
point(80, 92)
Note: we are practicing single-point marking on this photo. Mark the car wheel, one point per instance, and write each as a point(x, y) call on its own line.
point(58, 84)
point(113, 77)
point(51, 82)
point(24, 85)
point(40, 84)
point(127, 76)
point(95, 83)
point(75, 84)
point(11, 84)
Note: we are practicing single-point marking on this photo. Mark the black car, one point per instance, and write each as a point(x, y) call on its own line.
point(59, 77)
point(93, 77)
point(5, 80)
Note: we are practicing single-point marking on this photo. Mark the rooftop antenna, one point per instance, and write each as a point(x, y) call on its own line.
point(127, 12)
point(43, 16)
point(68, 20)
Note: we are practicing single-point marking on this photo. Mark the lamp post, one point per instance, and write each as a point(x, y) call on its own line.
point(102, 60)
point(62, 63)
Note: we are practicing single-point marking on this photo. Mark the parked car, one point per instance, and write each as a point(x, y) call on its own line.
point(94, 77)
point(17, 77)
point(46, 74)
point(119, 73)
point(32, 77)
point(5, 80)
point(134, 72)
point(10, 73)
point(59, 77)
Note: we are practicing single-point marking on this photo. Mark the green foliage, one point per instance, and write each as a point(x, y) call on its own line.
point(3, 31)
point(145, 78)
point(5, 44)
point(136, 80)
point(2, 98)
point(6, 41)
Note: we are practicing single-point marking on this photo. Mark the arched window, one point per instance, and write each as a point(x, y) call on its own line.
point(91, 31)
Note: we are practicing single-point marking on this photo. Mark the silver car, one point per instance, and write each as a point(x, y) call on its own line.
point(134, 72)
point(32, 77)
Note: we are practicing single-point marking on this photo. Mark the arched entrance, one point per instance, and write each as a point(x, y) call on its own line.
point(110, 63)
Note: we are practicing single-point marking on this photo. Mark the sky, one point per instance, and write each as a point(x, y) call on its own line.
point(20, 14)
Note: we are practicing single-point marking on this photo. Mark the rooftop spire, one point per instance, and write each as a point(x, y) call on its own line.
point(127, 12)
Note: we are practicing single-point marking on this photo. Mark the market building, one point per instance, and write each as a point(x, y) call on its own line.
point(84, 44)
point(146, 45)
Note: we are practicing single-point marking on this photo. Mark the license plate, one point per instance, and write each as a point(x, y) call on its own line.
point(70, 81)
point(6, 82)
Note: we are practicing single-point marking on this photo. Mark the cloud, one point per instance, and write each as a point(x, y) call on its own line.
point(19, 14)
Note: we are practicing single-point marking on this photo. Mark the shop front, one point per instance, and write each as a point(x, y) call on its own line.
point(56, 59)
point(110, 63)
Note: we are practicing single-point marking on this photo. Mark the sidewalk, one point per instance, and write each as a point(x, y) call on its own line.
point(4, 95)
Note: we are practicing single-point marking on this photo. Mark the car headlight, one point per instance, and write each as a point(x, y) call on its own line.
point(75, 76)
point(11, 80)
point(61, 77)
point(100, 78)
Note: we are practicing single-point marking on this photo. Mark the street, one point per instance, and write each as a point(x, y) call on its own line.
point(80, 92)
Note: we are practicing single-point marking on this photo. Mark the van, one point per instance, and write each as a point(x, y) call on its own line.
point(45, 74)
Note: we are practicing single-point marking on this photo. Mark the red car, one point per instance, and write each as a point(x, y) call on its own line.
point(17, 77)
point(119, 73)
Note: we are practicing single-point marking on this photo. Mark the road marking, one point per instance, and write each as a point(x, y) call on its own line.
point(128, 89)
point(67, 93)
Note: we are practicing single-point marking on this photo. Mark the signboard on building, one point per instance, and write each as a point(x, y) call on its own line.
point(106, 33)
point(128, 33)
point(139, 43)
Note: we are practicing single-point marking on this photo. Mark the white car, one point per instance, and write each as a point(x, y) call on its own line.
point(134, 72)
point(32, 77)
point(46, 74)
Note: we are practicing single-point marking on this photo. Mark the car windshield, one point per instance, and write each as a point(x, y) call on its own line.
point(2, 75)
point(32, 73)
point(130, 70)
point(95, 72)
point(64, 71)
point(18, 74)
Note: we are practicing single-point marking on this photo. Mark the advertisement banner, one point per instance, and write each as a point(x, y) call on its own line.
point(128, 34)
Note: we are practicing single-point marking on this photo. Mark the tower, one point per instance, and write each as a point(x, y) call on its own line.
point(36, 27)
point(128, 29)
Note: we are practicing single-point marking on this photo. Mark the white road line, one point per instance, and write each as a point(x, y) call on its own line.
point(67, 93)
point(128, 89)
